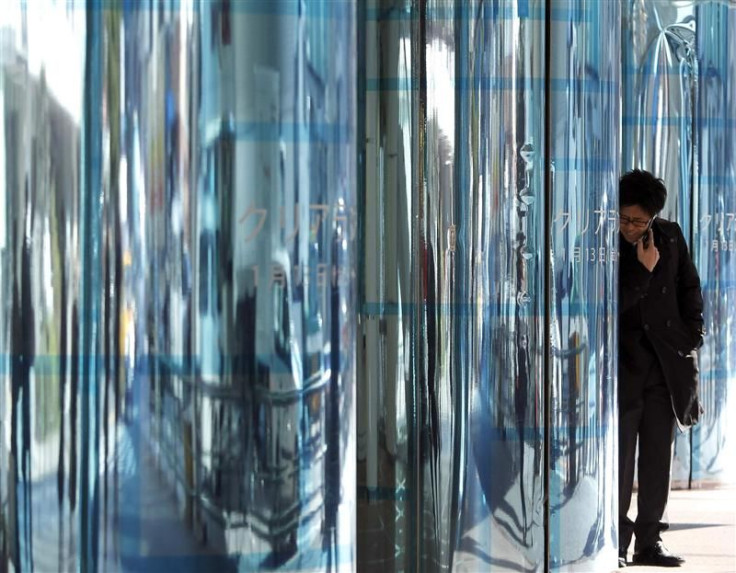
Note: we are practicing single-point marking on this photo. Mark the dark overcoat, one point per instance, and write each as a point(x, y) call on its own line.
point(666, 307)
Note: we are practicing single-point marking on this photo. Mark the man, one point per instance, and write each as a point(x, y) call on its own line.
point(661, 326)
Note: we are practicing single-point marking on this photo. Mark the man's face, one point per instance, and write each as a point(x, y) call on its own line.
point(634, 221)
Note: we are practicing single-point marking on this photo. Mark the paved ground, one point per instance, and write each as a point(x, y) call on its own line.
point(702, 530)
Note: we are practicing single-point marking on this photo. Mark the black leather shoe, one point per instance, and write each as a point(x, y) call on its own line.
point(657, 555)
point(621, 558)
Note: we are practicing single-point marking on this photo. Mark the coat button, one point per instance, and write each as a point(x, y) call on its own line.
point(664, 290)
point(646, 326)
point(669, 323)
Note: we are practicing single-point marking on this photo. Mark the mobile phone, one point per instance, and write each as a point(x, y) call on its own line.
point(645, 236)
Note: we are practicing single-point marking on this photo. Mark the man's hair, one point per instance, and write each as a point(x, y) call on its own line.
point(641, 188)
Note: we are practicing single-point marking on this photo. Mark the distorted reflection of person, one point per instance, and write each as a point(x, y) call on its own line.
point(23, 346)
point(661, 326)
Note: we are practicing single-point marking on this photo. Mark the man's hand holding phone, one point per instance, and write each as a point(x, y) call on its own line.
point(646, 251)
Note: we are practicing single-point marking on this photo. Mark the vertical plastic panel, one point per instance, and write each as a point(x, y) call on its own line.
point(659, 91)
point(95, 180)
point(659, 88)
point(387, 534)
point(714, 248)
point(500, 159)
point(43, 273)
point(450, 454)
point(148, 493)
point(437, 386)
point(274, 219)
point(584, 124)
point(408, 385)
point(176, 239)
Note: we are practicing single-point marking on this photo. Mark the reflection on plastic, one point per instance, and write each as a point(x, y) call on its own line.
point(451, 453)
point(676, 70)
point(387, 421)
point(584, 157)
point(177, 257)
point(502, 346)
point(714, 248)
point(41, 444)
point(659, 93)
point(659, 83)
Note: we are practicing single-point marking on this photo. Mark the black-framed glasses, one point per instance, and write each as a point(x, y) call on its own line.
point(634, 222)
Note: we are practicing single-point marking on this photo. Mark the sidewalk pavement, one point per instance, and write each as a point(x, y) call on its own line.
point(702, 531)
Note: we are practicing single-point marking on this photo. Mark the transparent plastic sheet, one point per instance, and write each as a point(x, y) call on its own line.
point(676, 123)
point(437, 388)
point(501, 282)
point(451, 416)
point(178, 268)
point(42, 477)
point(659, 85)
point(178, 234)
point(407, 384)
point(584, 123)
point(714, 247)
point(386, 284)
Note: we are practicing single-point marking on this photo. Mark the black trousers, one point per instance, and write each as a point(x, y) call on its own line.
point(648, 417)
